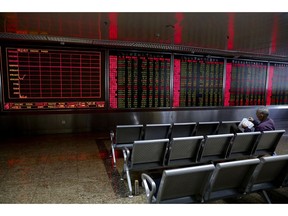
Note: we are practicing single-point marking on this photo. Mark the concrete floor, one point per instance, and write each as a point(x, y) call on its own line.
point(76, 169)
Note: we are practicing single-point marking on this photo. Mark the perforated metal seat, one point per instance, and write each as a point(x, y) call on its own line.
point(156, 131)
point(215, 147)
point(243, 145)
point(184, 150)
point(206, 128)
point(268, 142)
point(182, 185)
point(146, 155)
point(226, 127)
point(230, 179)
point(271, 173)
point(183, 129)
point(125, 137)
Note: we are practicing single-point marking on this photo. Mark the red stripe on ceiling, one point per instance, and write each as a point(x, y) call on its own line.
point(178, 28)
point(274, 35)
point(99, 27)
point(230, 36)
point(113, 27)
point(12, 23)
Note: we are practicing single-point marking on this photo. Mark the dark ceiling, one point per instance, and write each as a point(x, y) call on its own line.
point(259, 33)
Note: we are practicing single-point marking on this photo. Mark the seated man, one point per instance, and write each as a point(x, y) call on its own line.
point(264, 124)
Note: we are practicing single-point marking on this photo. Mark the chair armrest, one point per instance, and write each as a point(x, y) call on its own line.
point(126, 154)
point(147, 183)
point(112, 136)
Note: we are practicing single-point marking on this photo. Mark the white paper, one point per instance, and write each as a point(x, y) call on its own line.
point(247, 123)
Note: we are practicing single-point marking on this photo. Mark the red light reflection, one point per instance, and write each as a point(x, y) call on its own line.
point(178, 28)
point(113, 27)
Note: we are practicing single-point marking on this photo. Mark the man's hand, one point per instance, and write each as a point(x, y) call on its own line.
point(244, 125)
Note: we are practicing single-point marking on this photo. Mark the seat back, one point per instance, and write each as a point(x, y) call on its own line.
point(243, 144)
point(183, 129)
point(271, 173)
point(215, 147)
point(206, 128)
point(156, 131)
point(230, 178)
point(226, 127)
point(149, 153)
point(128, 133)
point(184, 150)
point(268, 142)
point(184, 185)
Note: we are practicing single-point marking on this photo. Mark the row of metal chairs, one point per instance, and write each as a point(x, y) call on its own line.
point(125, 135)
point(205, 183)
point(196, 150)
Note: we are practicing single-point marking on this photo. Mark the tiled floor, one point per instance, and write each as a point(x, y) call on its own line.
point(64, 168)
point(73, 168)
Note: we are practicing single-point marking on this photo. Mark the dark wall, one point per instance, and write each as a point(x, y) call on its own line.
point(48, 123)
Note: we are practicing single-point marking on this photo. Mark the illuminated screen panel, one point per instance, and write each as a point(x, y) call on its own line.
point(279, 80)
point(139, 80)
point(201, 81)
point(248, 83)
point(53, 79)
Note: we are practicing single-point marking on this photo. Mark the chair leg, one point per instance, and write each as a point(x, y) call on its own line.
point(123, 173)
point(266, 197)
point(129, 183)
point(126, 154)
point(113, 155)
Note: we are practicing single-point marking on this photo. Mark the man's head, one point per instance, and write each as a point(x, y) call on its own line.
point(262, 113)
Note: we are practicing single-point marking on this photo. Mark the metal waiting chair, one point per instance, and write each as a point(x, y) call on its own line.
point(268, 142)
point(184, 150)
point(215, 147)
point(124, 136)
point(226, 127)
point(156, 131)
point(181, 185)
point(243, 145)
point(146, 155)
point(272, 173)
point(230, 179)
point(206, 128)
point(183, 129)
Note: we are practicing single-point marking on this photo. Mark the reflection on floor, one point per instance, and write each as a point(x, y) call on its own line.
point(74, 168)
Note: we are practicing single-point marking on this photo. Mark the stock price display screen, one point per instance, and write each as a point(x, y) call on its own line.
point(53, 79)
point(139, 80)
point(278, 77)
point(247, 82)
point(198, 81)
